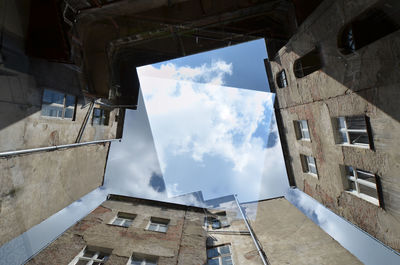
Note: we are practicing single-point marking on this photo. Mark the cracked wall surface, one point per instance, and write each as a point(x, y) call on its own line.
point(362, 83)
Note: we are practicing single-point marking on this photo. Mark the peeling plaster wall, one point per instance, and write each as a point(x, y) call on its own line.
point(31, 191)
point(289, 237)
point(363, 83)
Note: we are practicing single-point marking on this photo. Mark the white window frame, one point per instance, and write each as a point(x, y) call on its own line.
point(143, 261)
point(220, 256)
point(307, 162)
point(90, 260)
point(158, 224)
point(63, 106)
point(302, 129)
point(357, 182)
point(123, 218)
point(347, 132)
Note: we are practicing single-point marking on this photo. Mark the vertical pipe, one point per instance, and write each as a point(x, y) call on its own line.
point(260, 252)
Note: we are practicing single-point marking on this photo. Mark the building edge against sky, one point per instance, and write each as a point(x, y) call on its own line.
point(337, 112)
point(126, 229)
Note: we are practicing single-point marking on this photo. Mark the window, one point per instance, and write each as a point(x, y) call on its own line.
point(302, 131)
point(216, 221)
point(220, 255)
point(56, 104)
point(134, 260)
point(123, 219)
point(309, 165)
point(307, 64)
point(158, 225)
point(281, 79)
point(100, 116)
point(353, 130)
point(362, 184)
point(372, 25)
point(89, 256)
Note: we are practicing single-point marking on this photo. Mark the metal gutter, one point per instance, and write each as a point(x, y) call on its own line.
point(256, 243)
point(52, 148)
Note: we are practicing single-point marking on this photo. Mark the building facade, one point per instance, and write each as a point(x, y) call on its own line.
point(125, 230)
point(43, 105)
point(337, 111)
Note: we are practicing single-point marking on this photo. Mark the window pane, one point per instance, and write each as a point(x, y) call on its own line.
point(117, 221)
point(89, 253)
point(352, 185)
point(216, 224)
point(97, 112)
point(50, 96)
point(82, 262)
point(136, 262)
point(162, 228)
point(96, 120)
point(305, 134)
point(368, 191)
point(148, 262)
point(213, 262)
point(224, 250)
point(52, 111)
point(365, 176)
point(102, 256)
point(341, 124)
point(356, 122)
point(312, 169)
point(358, 138)
point(70, 101)
point(227, 260)
point(128, 223)
point(69, 113)
point(311, 160)
point(343, 137)
point(153, 227)
point(349, 171)
point(212, 252)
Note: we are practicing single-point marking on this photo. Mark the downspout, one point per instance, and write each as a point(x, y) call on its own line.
point(82, 129)
point(256, 243)
point(52, 148)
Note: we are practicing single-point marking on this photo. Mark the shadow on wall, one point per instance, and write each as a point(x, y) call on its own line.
point(361, 53)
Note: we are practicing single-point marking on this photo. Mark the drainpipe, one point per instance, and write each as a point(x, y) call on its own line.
point(259, 250)
point(52, 148)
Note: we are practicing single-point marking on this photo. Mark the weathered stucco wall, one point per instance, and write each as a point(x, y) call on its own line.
point(35, 186)
point(22, 126)
point(185, 238)
point(289, 237)
point(361, 83)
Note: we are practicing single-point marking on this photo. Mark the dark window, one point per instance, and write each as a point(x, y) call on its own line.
point(372, 25)
point(307, 64)
point(56, 104)
point(281, 79)
point(100, 116)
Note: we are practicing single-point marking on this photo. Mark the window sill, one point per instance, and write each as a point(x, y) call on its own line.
point(118, 225)
point(364, 197)
point(305, 140)
point(312, 174)
point(357, 146)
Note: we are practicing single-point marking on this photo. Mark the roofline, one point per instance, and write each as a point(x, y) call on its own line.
point(263, 200)
point(116, 197)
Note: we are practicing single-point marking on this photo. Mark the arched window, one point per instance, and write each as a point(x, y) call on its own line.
point(307, 64)
point(281, 79)
point(370, 26)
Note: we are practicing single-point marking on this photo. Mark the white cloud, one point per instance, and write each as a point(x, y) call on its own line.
point(194, 119)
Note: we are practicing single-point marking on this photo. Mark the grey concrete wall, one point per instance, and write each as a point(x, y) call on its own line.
point(362, 83)
point(35, 186)
point(289, 237)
